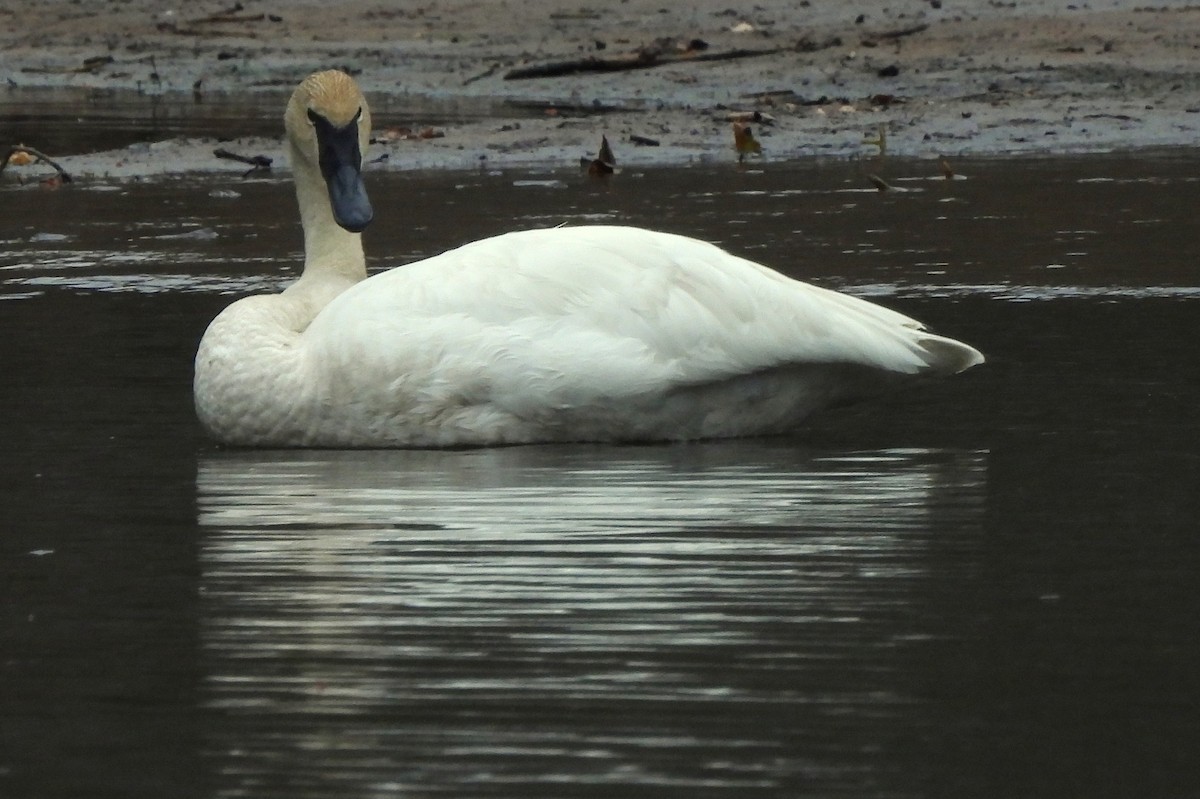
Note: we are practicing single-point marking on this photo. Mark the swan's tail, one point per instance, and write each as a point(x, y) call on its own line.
point(945, 356)
point(922, 352)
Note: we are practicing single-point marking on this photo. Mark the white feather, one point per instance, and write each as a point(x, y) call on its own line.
point(586, 333)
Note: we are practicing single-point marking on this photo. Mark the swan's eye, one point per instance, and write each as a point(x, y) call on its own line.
point(313, 116)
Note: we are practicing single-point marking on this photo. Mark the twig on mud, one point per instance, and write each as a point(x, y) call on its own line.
point(227, 18)
point(556, 108)
point(873, 39)
point(642, 59)
point(38, 156)
point(487, 73)
point(790, 97)
point(89, 65)
point(257, 162)
point(900, 33)
point(231, 14)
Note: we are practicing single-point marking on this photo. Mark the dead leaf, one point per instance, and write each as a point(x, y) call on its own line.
point(598, 168)
point(22, 154)
point(879, 141)
point(392, 134)
point(388, 135)
point(606, 153)
point(603, 164)
point(744, 141)
point(880, 183)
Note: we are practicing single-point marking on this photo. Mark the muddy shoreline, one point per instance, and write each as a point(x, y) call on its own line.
point(941, 78)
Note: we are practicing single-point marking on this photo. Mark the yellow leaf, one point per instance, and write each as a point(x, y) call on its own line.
point(879, 141)
point(744, 141)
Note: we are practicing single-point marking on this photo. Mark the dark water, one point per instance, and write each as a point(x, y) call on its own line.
point(73, 120)
point(984, 588)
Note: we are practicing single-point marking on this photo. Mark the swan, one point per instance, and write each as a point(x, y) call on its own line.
point(591, 333)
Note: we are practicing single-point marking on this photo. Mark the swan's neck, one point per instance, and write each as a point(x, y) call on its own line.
point(333, 256)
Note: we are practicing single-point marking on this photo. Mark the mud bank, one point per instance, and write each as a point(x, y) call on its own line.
point(941, 78)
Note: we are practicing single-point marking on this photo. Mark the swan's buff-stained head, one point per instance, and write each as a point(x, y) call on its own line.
point(328, 125)
point(332, 95)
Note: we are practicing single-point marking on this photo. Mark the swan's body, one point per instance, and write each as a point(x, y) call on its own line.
point(579, 334)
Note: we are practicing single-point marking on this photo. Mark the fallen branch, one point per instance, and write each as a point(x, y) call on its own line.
point(873, 39)
point(900, 32)
point(214, 19)
point(581, 14)
point(38, 156)
point(643, 59)
point(231, 14)
point(89, 65)
point(555, 108)
point(790, 97)
point(205, 33)
point(197, 27)
point(256, 162)
point(487, 73)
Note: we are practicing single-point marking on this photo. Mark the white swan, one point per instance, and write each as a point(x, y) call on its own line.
point(568, 334)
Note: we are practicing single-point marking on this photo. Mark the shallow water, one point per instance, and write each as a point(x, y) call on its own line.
point(985, 587)
point(73, 120)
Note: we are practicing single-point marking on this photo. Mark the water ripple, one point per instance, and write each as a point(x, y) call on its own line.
point(1020, 293)
point(533, 621)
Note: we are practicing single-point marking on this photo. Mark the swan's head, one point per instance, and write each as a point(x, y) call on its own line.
point(328, 124)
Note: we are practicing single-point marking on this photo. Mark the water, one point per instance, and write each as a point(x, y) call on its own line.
point(73, 120)
point(985, 587)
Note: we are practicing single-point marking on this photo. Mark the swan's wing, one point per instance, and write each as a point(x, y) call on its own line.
point(576, 311)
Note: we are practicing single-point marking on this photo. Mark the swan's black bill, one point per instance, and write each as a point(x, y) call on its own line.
point(341, 166)
point(348, 197)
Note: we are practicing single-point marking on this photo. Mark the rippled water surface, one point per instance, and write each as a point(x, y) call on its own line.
point(985, 587)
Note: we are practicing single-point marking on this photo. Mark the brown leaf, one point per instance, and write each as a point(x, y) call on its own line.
point(599, 169)
point(744, 141)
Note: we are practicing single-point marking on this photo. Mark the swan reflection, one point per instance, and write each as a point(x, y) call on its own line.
point(685, 615)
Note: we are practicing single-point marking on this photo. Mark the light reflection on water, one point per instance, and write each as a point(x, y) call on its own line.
point(729, 619)
point(450, 623)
